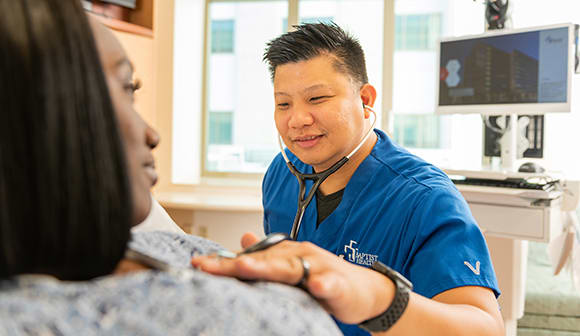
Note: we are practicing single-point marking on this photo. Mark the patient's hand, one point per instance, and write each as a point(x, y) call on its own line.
point(351, 293)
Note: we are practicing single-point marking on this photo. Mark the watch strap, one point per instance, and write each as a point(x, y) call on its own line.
point(397, 307)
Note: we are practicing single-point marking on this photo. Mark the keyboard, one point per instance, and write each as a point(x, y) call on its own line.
point(514, 183)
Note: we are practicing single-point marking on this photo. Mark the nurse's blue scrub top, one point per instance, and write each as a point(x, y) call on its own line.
point(396, 208)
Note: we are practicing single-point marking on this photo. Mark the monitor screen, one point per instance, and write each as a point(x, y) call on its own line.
point(125, 3)
point(508, 72)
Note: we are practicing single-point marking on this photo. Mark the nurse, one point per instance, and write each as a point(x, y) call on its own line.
point(411, 259)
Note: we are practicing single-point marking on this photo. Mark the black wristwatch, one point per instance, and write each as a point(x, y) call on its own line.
point(402, 289)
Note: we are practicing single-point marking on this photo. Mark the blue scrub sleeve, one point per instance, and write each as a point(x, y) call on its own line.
point(449, 250)
point(266, 182)
point(267, 229)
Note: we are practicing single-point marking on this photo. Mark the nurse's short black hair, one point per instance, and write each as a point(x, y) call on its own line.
point(310, 40)
point(65, 202)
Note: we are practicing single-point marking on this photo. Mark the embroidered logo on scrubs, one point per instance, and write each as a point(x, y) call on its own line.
point(474, 270)
point(353, 255)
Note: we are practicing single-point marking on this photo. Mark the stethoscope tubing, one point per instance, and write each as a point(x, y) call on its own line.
point(318, 178)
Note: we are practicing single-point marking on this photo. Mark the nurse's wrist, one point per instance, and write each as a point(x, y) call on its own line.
point(384, 295)
point(398, 303)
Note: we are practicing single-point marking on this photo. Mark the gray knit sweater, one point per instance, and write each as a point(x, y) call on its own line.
point(184, 302)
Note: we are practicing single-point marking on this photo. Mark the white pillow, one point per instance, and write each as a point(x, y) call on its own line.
point(157, 220)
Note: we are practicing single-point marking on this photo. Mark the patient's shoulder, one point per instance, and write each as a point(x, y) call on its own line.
point(173, 248)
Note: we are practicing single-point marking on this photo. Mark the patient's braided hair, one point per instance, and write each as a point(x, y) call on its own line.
point(310, 40)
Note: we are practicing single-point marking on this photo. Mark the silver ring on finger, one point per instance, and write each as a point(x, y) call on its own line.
point(305, 273)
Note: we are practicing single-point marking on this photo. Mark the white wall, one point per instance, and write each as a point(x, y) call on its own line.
point(223, 227)
point(187, 88)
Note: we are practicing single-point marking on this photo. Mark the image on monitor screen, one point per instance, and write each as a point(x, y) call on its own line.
point(517, 68)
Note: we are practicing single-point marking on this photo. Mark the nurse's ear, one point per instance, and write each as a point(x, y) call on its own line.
point(368, 95)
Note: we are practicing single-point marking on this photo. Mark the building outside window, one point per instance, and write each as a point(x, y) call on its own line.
point(220, 128)
point(417, 31)
point(417, 130)
point(222, 36)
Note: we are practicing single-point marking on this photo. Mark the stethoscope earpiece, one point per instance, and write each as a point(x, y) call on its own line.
point(365, 108)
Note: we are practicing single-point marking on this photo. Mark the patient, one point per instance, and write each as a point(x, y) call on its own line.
point(75, 173)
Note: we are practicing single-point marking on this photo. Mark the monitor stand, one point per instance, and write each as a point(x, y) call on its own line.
point(509, 144)
point(512, 140)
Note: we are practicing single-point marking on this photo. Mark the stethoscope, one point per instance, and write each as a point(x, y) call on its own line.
point(317, 178)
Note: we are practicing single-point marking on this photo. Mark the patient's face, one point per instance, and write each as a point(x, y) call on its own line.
point(138, 136)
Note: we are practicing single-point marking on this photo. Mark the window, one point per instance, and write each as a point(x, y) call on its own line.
point(222, 36)
point(417, 31)
point(418, 27)
point(416, 37)
point(417, 130)
point(241, 140)
point(239, 133)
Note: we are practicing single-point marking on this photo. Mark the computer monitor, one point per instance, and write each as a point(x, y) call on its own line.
point(501, 72)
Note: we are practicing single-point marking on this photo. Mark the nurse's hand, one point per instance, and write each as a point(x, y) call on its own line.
point(349, 292)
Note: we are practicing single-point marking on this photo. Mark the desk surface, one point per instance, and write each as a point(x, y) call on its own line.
point(506, 196)
point(494, 174)
point(227, 200)
point(207, 200)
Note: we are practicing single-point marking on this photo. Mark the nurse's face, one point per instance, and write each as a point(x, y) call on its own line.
point(139, 138)
point(319, 112)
